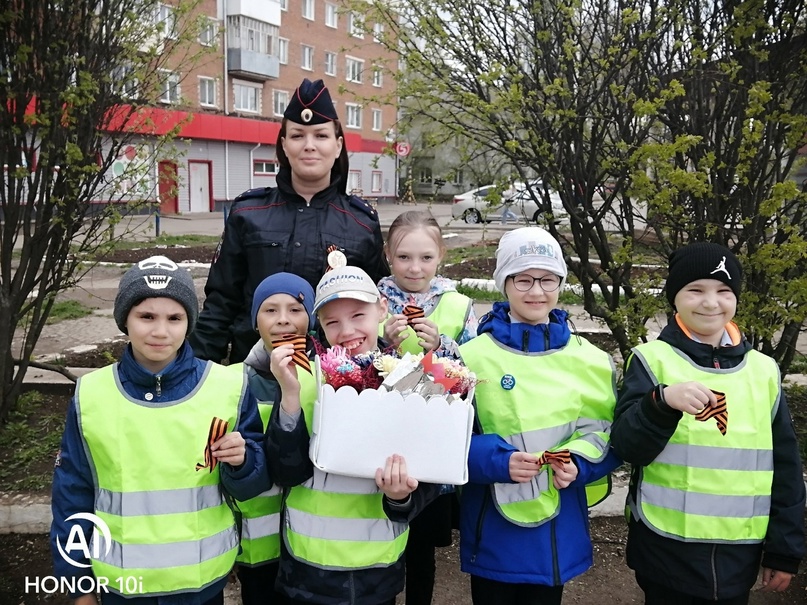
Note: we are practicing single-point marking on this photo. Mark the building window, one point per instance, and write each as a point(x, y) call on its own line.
point(377, 120)
point(375, 182)
point(207, 37)
point(331, 15)
point(264, 167)
point(354, 181)
point(169, 87)
point(251, 34)
point(378, 32)
point(284, 5)
point(207, 91)
point(378, 77)
point(425, 176)
point(166, 21)
point(125, 82)
point(458, 178)
point(355, 27)
point(354, 69)
point(280, 100)
point(308, 9)
point(307, 57)
point(353, 115)
point(283, 51)
point(330, 64)
point(247, 97)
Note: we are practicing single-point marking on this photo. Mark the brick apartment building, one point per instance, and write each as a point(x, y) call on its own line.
point(236, 99)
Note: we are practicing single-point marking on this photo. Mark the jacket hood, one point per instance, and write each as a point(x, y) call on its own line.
point(258, 357)
point(526, 337)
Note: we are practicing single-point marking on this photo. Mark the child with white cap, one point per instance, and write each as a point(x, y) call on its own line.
point(544, 409)
point(343, 538)
point(716, 484)
point(154, 448)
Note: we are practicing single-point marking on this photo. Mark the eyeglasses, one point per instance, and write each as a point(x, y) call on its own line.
point(524, 282)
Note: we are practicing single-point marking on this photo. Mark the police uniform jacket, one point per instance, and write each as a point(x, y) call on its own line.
point(643, 426)
point(272, 229)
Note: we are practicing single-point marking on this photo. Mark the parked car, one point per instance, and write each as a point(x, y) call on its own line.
point(474, 207)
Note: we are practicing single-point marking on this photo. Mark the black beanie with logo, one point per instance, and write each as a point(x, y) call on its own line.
point(703, 260)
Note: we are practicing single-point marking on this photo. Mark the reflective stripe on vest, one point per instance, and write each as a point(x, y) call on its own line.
point(260, 516)
point(705, 486)
point(575, 417)
point(449, 315)
point(169, 523)
point(338, 522)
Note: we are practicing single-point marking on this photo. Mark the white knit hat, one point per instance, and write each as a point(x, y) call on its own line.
point(528, 248)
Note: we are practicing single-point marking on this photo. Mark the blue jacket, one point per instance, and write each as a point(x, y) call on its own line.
point(490, 546)
point(73, 489)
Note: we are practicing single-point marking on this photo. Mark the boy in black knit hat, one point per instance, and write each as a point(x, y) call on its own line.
point(153, 447)
point(716, 484)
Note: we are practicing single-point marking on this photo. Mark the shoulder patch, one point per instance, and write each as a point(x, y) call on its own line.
point(364, 206)
point(252, 193)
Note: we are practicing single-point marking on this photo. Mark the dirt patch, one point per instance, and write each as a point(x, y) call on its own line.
point(105, 354)
point(178, 254)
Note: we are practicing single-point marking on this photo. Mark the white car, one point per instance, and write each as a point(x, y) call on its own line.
point(473, 207)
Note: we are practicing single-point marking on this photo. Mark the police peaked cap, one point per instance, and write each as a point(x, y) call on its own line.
point(311, 104)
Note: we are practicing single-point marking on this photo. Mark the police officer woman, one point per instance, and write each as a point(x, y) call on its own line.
point(304, 226)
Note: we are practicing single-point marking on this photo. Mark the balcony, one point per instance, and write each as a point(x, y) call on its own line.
point(267, 11)
point(251, 64)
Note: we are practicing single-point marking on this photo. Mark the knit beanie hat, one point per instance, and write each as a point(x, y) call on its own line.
point(528, 248)
point(284, 283)
point(703, 260)
point(155, 277)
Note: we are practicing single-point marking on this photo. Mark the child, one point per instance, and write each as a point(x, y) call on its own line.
point(414, 250)
point(281, 307)
point(708, 499)
point(343, 538)
point(523, 514)
point(148, 445)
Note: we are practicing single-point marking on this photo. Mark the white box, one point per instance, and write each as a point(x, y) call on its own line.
point(354, 433)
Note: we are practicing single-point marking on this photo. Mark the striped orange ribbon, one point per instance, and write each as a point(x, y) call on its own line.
point(719, 412)
point(218, 428)
point(562, 456)
point(413, 312)
point(328, 250)
point(299, 356)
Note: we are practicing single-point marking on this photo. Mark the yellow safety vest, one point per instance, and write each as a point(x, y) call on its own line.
point(577, 390)
point(338, 522)
point(169, 522)
point(449, 314)
point(705, 486)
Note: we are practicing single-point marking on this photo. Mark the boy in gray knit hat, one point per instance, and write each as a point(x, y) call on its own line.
point(163, 434)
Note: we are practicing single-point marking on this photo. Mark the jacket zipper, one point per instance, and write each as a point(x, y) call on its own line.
point(714, 571)
point(159, 389)
point(555, 566)
point(479, 523)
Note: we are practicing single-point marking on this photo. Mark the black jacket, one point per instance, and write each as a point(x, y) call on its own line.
point(642, 427)
point(270, 230)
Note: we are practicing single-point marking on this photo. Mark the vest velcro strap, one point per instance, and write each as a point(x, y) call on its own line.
point(172, 554)
point(340, 528)
point(162, 502)
point(708, 505)
point(260, 527)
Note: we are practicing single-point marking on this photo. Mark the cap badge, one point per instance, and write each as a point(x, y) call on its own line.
point(306, 115)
